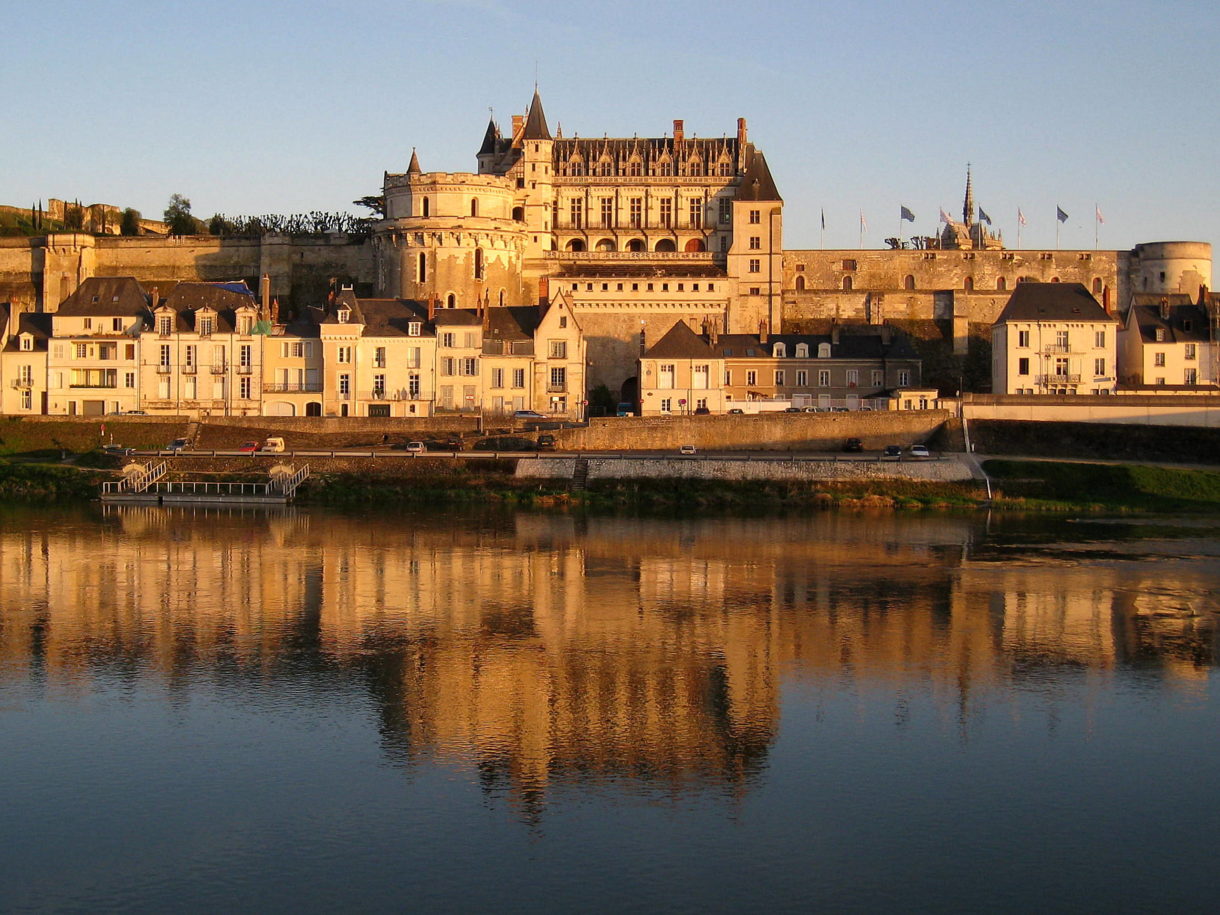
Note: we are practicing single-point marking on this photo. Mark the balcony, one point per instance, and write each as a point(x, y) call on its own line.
point(293, 388)
point(219, 369)
point(188, 370)
point(106, 385)
point(245, 369)
point(164, 369)
point(1058, 379)
point(23, 383)
point(1056, 348)
point(557, 389)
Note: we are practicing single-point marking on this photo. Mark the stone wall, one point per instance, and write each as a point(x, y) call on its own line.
point(948, 469)
point(766, 431)
point(1158, 410)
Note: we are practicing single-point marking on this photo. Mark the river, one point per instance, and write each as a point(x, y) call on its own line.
point(304, 710)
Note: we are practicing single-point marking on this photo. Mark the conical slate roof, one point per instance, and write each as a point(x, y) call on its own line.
point(535, 122)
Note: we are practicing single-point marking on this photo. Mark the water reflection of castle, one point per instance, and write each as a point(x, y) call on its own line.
point(546, 648)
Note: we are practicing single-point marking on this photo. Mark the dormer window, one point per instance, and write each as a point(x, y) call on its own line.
point(823, 350)
point(779, 351)
point(165, 325)
point(1186, 325)
point(1160, 335)
point(344, 314)
point(413, 328)
point(802, 351)
point(27, 343)
point(244, 324)
point(206, 325)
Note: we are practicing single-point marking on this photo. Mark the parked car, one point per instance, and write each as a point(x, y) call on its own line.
point(528, 415)
point(811, 410)
point(273, 445)
point(179, 444)
point(546, 442)
point(702, 411)
point(792, 409)
point(117, 449)
point(892, 453)
point(853, 445)
point(415, 447)
point(687, 449)
point(736, 411)
point(249, 447)
point(919, 451)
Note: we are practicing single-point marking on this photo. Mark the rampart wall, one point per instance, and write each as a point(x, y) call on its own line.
point(1201, 411)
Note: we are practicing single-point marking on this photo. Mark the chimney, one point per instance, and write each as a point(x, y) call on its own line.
point(762, 331)
point(544, 294)
point(1105, 299)
point(834, 333)
point(741, 133)
point(264, 295)
point(714, 333)
point(1164, 308)
point(154, 297)
point(518, 124)
point(432, 303)
point(679, 133)
point(1202, 294)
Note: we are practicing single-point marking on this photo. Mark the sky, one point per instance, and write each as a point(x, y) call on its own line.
point(268, 106)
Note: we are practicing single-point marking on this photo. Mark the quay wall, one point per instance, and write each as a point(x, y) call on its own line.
point(765, 431)
point(948, 469)
point(1202, 411)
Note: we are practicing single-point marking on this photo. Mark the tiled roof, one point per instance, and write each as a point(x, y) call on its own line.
point(105, 296)
point(757, 183)
point(1186, 323)
point(36, 324)
point(680, 342)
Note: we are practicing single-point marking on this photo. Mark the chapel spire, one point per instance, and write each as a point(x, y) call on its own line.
point(968, 204)
point(413, 168)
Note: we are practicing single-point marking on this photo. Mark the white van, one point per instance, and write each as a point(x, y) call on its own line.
point(273, 446)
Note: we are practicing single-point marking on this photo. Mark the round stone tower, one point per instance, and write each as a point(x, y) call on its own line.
point(1171, 266)
point(449, 237)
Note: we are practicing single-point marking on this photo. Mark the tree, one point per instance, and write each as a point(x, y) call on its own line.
point(178, 216)
point(374, 203)
point(74, 216)
point(130, 223)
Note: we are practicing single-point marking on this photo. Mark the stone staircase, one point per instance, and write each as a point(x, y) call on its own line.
point(580, 475)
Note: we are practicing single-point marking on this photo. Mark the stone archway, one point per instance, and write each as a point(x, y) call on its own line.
point(694, 245)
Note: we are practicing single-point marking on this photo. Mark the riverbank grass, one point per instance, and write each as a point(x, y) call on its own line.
point(1122, 487)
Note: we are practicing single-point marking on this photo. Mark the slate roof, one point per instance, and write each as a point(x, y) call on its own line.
point(1187, 323)
point(456, 317)
point(37, 324)
point(680, 342)
point(105, 296)
point(514, 322)
point(186, 299)
point(535, 123)
point(383, 317)
point(756, 182)
point(660, 270)
point(1052, 302)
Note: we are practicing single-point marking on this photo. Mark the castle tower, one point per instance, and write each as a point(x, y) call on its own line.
point(449, 238)
point(536, 177)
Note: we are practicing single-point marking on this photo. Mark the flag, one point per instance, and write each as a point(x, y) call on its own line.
point(1060, 215)
point(983, 217)
point(1099, 219)
point(1021, 217)
point(945, 217)
point(863, 222)
point(906, 214)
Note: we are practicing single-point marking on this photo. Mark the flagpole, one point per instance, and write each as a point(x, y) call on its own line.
point(1096, 224)
point(1018, 228)
point(1058, 223)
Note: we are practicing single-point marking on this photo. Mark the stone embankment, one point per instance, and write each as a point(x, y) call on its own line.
point(949, 469)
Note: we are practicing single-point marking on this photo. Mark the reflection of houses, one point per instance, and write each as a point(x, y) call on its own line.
point(1053, 338)
point(685, 371)
point(649, 651)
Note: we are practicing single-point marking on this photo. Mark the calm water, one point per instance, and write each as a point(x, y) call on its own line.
point(308, 711)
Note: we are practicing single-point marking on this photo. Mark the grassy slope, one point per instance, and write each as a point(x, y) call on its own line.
point(1131, 487)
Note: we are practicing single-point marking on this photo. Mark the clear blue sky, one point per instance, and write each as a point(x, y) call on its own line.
point(273, 106)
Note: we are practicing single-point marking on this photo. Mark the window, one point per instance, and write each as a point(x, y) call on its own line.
point(802, 351)
point(1061, 339)
point(847, 284)
point(726, 209)
point(665, 375)
point(904, 378)
point(116, 324)
point(563, 320)
point(779, 351)
point(802, 378)
point(559, 349)
point(88, 324)
point(666, 405)
point(1190, 351)
point(559, 378)
point(188, 357)
point(667, 213)
point(422, 270)
point(695, 213)
point(908, 282)
point(345, 385)
point(206, 323)
point(878, 378)
point(1191, 376)
point(413, 328)
point(1023, 338)
point(379, 387)
point(636, 212)
point(413, 385)
point(779, 377)
point(413, 356)
point(751, 377)
point(1099, 339)
point(497, 378)
point(82, 351)
point(1099, 367)
point(1061, 366)
point(27, 399)
point(470, 366)
point(1001, 284)
point(164, 355)
point(1158, 359)
point(576, 212)
point(607, 209)
point(823, 378)
point(701, 376)
point(853, 378)
point(518, 378)
point(245, 323)
point(755, 217)
point(755, 243)
point(1160, 335)
point(244, 387)
point(245, 354)
point(447, 338)
point(823, 350)
point(129, 379)
point(755, 265)
point(478, 263)
point(1023, 365)
point(165, 325)
point(27, 343)
point(343, 354)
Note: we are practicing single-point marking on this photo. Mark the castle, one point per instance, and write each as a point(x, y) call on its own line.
point(636, 233)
